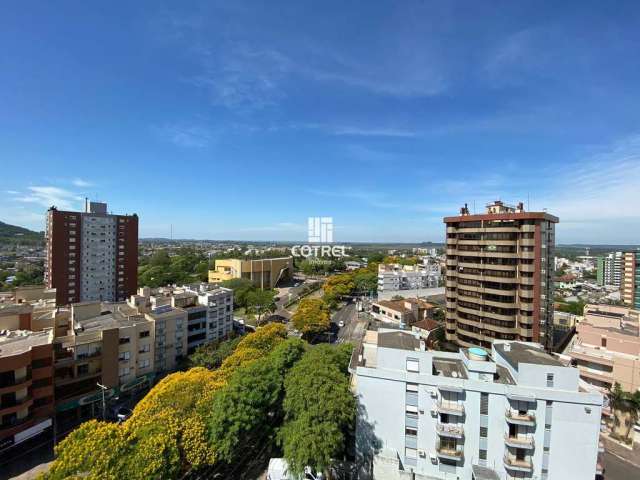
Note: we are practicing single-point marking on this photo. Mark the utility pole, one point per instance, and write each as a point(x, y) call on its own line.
point(104, 407)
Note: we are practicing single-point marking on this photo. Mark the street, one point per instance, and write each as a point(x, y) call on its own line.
point(354, 328)
point(617, 469)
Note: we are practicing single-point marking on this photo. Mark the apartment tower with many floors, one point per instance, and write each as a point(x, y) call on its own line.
point(630, 283)
point(91, 255)
point(499, 276)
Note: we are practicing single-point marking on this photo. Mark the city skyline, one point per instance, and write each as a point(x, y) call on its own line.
point(240, 121)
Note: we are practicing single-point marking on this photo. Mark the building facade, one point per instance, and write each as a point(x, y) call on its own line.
point(499, 281)
point(606, 348)
point(26, 385)
point(511, 412)
point(264, 273)
point(609, 269)
point(91, 255)
point(404, 312)
point(395, 277)
point(630, 283)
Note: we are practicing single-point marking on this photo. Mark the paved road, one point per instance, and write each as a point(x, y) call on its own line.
point(354, 327)
point(617, 469)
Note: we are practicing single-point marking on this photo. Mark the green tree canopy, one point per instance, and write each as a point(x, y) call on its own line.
point(319, 409)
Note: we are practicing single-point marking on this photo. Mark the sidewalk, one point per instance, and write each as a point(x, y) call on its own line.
point(630, 455)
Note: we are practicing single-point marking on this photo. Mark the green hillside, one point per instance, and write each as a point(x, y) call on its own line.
point(14, 234)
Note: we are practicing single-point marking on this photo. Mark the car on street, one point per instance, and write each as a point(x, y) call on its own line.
point(341, 323)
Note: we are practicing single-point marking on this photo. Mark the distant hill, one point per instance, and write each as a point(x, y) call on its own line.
point(14, 234)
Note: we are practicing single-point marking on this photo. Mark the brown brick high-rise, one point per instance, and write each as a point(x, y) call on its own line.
point(499, 282)
point(91, 255)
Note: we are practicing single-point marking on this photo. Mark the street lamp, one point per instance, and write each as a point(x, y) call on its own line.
point(104, 408)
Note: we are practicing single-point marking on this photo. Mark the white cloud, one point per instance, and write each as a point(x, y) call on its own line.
point(13, 192)
point(47, 196)
point(79, 182)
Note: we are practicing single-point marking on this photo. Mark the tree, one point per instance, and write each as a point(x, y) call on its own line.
point(211, 355)
point(260, 302)
point(319, 409)
point(248, 410)
point(311, 317)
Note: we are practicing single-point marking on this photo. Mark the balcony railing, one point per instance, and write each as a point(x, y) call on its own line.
point(519, 442)
point(450, 430)
point(452, 408)
point(520, 418)
point(519, 465)
point(449, 452)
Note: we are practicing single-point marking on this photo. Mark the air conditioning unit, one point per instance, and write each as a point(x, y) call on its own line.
point(422, 453)
point(434, 458)
point(433, 394)
point(434, 411)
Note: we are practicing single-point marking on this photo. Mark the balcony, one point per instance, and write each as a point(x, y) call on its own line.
point(451, 408)
point(520, 417)
point(518, 465)
point(519, 442)
point(449, 452)
point(451, 430)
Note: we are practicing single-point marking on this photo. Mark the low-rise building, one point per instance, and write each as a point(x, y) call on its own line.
point(511, 412)
point(403, 312)
point(107, 344)
point(606, 348)
point(26, 385)
point(396, 277)
point(264, 272)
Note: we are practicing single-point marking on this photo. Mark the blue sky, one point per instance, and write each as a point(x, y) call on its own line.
point(238, 120)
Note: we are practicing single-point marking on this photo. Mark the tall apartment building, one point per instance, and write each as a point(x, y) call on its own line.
point(91, 255)
point(26, 385)
point(499, 282)
point(511, 412)
point(630, 283)
point(264, 272)
point(609, 269)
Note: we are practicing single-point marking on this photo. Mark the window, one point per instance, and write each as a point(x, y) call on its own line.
point(124, 371)
point(604, 342)
point(124, 340)
point(549, 379)
point(411, 431)
point(410, 452)
point(483, 432)
point(413, 365)
point(484, 404)
point(482, 454)
point(124, 356)
point(145, 349)
point(412, 387)
point(144, 334)
point(144, 363)
point(411, 409)
point(83, 369)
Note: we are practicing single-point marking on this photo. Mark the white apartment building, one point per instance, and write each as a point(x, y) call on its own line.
point(514, 412)
point(396, 277)
point(98, 250)
point(610, 269)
